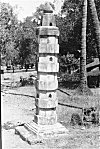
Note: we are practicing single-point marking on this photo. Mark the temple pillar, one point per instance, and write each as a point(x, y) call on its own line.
point(45, 117)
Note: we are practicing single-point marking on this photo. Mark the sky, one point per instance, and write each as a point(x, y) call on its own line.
point(27, 7)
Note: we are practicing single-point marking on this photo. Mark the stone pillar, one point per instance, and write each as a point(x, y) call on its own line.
point(48, 66)
point(45, 118)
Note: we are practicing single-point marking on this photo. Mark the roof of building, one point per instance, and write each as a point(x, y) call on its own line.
point(96, 62)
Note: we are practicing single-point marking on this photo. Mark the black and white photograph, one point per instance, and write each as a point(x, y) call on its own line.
point(50, 74)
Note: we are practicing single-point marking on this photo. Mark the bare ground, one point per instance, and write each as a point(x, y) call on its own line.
point(18, 109)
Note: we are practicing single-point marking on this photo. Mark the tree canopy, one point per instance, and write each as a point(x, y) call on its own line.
point(71, 26)
point(8, 29)
point(18, 40)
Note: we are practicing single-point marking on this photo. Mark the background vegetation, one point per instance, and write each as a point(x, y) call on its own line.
point(19, 43)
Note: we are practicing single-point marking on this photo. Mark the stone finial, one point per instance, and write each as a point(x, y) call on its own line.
point(48, 8)
point(48, 19)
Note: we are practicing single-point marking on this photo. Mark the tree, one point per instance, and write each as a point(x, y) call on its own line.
point(27, 41)
point(83, 89)
point(72, 34)
point(9, 24)
point(83, 74)
point(70, 25)
point(97, 29)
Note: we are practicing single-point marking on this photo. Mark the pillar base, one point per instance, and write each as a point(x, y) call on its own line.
point(32, 132)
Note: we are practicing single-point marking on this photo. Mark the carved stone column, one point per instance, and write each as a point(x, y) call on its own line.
point(45, 118)
point(48, 66)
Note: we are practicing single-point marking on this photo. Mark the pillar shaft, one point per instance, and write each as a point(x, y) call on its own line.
point(46, 84)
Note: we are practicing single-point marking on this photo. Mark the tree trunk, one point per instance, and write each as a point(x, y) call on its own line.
point(97, 29)
point(83, 89)
point(83, 77)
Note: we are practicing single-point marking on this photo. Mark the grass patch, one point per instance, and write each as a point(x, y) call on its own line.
point(65, 112)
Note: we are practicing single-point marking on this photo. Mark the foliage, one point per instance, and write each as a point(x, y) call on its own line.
point(9, 24)
point(19, 40)
point(68, 63)
point(27, 41)
point(70, 26)
point(11, 52)
point(91, 36)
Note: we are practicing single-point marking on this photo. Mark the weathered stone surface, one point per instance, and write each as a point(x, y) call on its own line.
point(48, 31)
point(47, 85)
point(47, 77)
point(48, 67)
point(46, 103)
point(46, 82)
point(52, 40)
point(46, 94)
point(48, 40)
point(45, 120)
point(46, 99)
point(48, 20)
point(46, 130)
point(48, 58)
point(42, 40)
point(48, 48)
point(34, 133)
point(45, 112)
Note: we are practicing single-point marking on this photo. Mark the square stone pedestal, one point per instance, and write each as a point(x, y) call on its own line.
point(33, 133)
